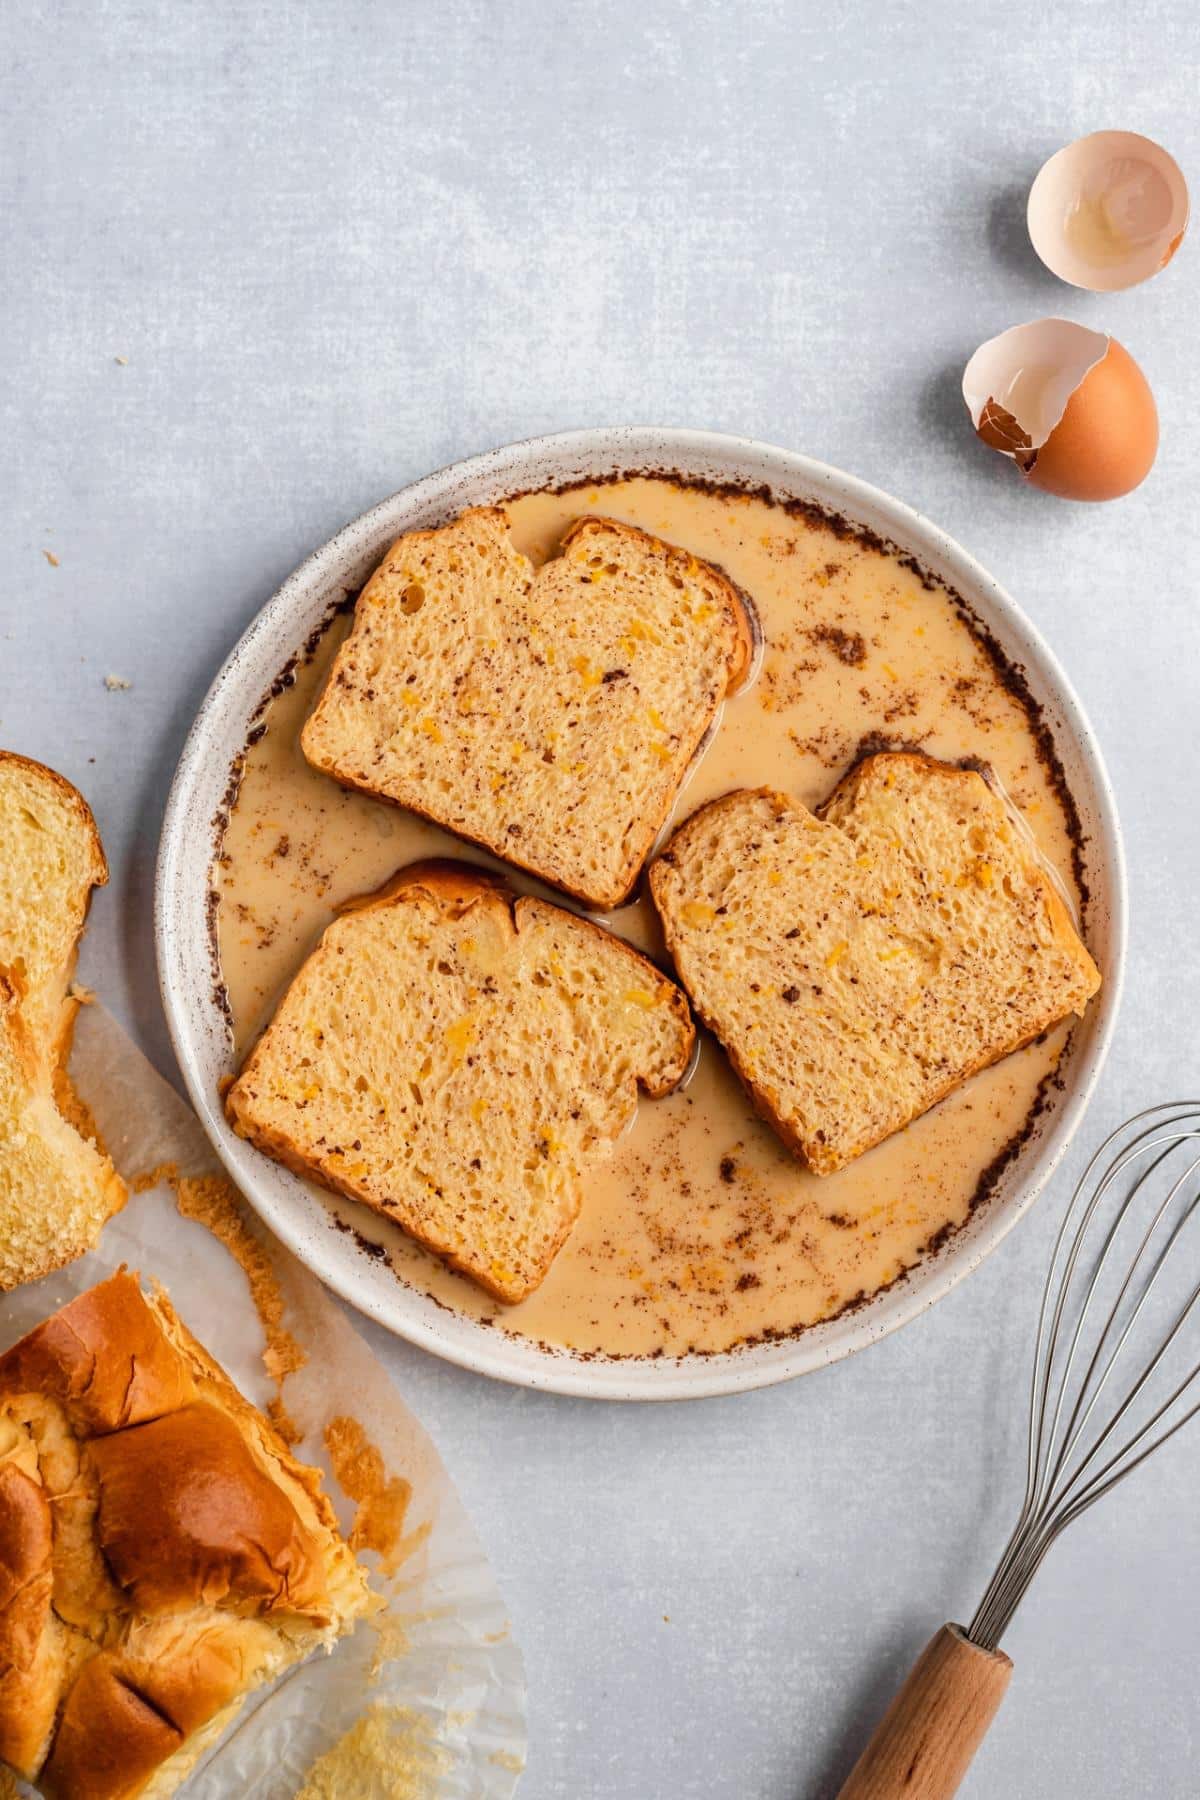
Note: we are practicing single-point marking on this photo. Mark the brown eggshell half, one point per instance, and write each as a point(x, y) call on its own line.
point(1106, 441)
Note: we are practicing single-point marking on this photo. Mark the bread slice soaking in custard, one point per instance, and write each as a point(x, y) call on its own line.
point(857, 965)
point(457, 1058)
point(547, 714)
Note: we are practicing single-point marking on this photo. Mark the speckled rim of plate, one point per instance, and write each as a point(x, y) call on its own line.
point(297, 1214)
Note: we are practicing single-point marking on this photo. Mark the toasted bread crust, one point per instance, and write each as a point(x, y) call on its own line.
point(454, 885)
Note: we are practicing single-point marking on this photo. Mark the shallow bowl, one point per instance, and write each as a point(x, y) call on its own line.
point(296, 1213)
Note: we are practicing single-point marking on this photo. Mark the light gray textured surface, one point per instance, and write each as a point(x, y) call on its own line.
point(340, 245)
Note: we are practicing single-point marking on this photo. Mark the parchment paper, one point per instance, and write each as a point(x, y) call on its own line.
point(437, 1674)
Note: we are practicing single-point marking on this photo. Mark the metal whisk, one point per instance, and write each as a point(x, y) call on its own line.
point(1113, 1374)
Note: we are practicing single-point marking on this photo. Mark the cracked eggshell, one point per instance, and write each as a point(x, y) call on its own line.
point(1108, 211)
point(1069, 406)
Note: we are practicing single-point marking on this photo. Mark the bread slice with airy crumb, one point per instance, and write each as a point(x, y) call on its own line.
point(52, 860)
point(546, 714)
point(858, 965)
point(56, 1188)
point(458, 1058)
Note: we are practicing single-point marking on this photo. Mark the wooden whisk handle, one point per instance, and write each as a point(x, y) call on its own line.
point(923, 1745)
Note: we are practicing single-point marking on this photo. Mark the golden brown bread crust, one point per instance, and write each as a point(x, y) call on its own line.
point(187, 1515)
point(191, 1555)
point(110, 1737)
point(454, 885)
point(103, 1358)
point(26, 1593)
point(132, 1708)
point(268, 1447)
point(26, 1580)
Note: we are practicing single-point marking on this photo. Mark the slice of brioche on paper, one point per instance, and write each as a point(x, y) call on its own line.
point(546, 714)
point(457, 1058)
point(858, 965)
point(56, 1188)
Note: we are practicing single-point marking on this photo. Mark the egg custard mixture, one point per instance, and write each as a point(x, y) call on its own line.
point(702, 1232)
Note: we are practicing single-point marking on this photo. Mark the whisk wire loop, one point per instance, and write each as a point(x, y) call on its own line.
point(1078, 1449)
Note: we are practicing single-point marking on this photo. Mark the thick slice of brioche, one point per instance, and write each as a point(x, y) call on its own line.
point(52, 860)
point(858, 965)
point(548, 715)
point(456, 1057)
point(191, 1558)
point(56, 1188)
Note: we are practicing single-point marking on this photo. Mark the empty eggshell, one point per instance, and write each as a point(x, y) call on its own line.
point(1069, 406)
point(1108, 211)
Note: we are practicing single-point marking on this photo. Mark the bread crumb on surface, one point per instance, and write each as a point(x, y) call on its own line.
point(122, 361)
point(116, 683)
point(387, 1754)
point(393, 1643)
point(50, 558)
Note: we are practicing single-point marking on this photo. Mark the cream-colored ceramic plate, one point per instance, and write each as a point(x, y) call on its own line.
point(295, 1211)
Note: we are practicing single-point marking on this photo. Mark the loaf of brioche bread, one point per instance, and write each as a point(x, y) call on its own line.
point(457, 1058)
point(859, 965)
point(547, 714)
point(162, 1553)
